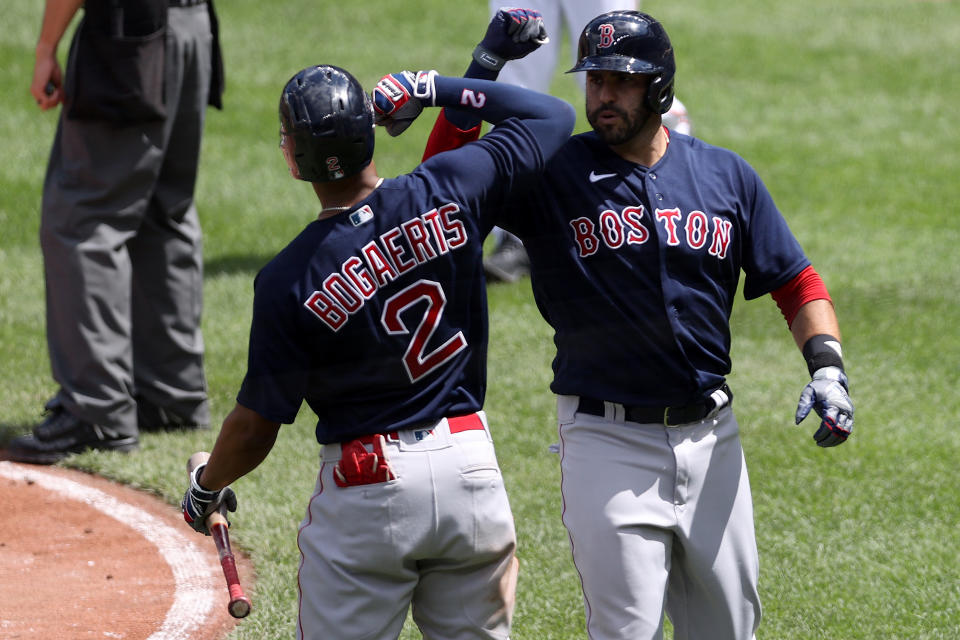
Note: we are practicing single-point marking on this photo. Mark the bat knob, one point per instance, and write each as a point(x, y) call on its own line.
point(240, 607)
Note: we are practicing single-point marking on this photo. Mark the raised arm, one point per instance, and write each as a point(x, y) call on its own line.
point(511, 35)
point(400, 97)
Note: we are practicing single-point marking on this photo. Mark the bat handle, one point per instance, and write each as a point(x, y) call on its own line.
point(239, 606)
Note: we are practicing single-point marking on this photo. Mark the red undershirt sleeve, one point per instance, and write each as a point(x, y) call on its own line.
point(806, 286)
point(445, 136)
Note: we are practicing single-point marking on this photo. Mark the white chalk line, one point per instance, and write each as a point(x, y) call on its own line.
point(193, 572)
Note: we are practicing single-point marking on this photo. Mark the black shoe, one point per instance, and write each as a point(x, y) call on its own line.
point(62, 434)
point(508, 263)
point(151, 418)
point(56, 422)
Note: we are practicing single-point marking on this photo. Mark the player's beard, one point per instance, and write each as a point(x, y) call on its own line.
point(626, 129)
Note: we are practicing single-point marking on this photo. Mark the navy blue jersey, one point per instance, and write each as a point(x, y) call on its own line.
point(377, 316)
point(636, 269)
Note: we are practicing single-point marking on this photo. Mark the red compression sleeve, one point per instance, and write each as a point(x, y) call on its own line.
point(445, 136)
point(806, 286)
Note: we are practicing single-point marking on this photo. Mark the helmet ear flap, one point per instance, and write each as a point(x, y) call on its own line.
point(659, 96)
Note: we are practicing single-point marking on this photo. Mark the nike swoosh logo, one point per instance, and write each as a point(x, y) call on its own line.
point(600, 176)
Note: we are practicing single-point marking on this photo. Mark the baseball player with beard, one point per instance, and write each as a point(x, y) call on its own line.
point(535, 71)
point(637, 237)
point(509, 261)
point(375, 315)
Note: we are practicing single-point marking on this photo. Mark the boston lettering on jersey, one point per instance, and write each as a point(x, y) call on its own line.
point(383, 259)
point(627, 227)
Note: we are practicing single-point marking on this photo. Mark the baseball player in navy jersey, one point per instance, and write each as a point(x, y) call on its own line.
point(375, 316)
point(509, 261)
point(638, 237)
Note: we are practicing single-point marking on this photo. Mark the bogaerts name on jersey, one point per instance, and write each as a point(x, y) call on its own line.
point(383, 260)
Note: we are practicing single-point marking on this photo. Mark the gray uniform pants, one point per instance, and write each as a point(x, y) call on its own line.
point(660, 519)
point(122, 250)
point(438, 539)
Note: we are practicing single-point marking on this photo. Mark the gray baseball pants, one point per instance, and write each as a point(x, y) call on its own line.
point(660, 519)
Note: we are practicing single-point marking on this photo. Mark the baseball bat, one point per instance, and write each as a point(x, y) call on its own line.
point(240, 605)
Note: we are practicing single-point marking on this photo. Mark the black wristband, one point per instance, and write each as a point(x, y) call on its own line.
point(488, 59)
point(822, 350)
point(477, 71)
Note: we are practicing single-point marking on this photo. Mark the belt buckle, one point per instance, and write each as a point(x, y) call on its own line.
point(666, 416)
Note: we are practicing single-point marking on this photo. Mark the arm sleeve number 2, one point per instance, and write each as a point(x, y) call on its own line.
point(415, 360)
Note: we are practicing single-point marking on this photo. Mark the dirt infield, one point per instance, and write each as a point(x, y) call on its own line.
point(82, 557)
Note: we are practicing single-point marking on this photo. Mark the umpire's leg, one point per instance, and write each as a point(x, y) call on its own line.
point(167, 251)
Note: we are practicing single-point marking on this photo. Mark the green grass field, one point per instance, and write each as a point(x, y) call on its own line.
point(848, 111)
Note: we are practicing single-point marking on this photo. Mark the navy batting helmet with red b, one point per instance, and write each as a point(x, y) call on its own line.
point(630, 42)
point(326, 124)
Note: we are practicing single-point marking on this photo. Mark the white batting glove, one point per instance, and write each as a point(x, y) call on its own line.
point(827, 393)
point(400, 97)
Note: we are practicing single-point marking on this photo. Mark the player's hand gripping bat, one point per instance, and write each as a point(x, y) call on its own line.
point(217, 525)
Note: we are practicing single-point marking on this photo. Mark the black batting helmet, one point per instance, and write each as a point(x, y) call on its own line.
point(326, 124)
point(630, 42)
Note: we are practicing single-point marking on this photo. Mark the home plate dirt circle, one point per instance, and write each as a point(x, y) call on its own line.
point(82, 557)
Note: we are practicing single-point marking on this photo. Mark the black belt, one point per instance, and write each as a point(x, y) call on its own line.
point(185, 3)
point(668, 416)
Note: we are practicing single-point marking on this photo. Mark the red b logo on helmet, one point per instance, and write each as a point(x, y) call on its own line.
point(606, 36)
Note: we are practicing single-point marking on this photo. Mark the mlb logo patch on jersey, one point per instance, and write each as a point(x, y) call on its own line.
point(361, 216)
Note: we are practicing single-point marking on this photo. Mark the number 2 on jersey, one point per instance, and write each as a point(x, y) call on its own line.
point(415, 360)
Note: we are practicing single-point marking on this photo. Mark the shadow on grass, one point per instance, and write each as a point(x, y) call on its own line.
point(237, 263)
point(9, 431)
